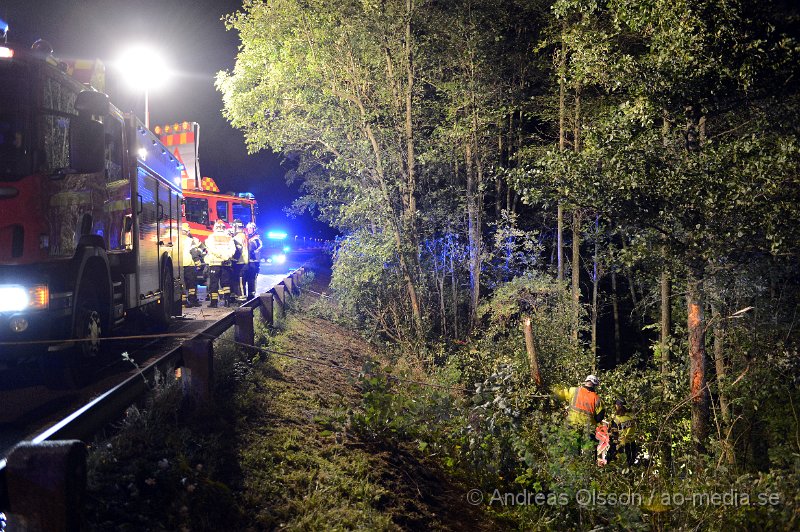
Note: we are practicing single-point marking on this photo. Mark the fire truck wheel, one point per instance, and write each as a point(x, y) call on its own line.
point(88, 325)
point(163, 310)
point(72, 368)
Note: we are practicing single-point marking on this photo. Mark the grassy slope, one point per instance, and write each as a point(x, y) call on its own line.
point(273, 452)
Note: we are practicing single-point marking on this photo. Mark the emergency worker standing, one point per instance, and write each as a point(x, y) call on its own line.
point(623, 429)
point(585, 410)
point(254, 251)
point(192, 257)
point(240, 261)
point(220, 250)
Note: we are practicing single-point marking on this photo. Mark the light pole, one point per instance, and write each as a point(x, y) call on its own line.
point(143, 68)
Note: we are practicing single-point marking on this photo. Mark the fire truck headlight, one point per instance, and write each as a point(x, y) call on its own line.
point(14, 298)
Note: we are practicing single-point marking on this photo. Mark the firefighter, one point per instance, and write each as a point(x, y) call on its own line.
point(220, 250)
point(585, 411)
point(623, 430)
point(254, 251)
point(192, 257)
point(241, 259)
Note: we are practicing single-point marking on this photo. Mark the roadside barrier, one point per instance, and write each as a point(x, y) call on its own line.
point(43, 481)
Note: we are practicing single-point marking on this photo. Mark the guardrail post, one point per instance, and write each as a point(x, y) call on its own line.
point(266, 308)
point(243, 332)
point(198, 371)
point(288, 282)
point(47, 483)
point(280, 298)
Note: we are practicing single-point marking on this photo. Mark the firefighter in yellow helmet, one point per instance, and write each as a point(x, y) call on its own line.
point(192, 258)
point(585, 411)
point(220, 250)
point(254, 249)
point(240, 260)
point(623, 430)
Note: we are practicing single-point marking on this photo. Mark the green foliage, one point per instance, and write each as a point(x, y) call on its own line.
point(548, 305)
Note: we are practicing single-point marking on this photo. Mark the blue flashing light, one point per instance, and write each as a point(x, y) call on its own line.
point(276, 235)
point(286, 249)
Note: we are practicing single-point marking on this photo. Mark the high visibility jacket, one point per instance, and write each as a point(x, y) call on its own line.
point(220, 248)
point(242, 254)
point(625, 427)
point(585, 406)
point(192, 253)
point(254, 247)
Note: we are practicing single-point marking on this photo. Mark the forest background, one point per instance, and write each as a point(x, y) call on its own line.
point(531, 191)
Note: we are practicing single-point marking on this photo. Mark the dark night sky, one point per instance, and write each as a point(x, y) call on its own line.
point(196, 46)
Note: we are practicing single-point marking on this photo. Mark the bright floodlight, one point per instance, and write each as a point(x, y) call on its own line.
point(143, 67)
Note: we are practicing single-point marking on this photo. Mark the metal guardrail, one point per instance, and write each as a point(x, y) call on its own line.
point(42, 479)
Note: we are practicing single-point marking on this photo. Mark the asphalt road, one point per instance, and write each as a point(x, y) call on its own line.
point(27, 406)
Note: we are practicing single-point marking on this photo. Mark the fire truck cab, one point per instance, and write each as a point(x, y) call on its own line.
point(90, 212)
point(204, 204)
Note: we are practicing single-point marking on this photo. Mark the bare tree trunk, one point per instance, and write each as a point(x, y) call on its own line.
point(562, 145)
point(666, 287)
point(615, 311)
point(576, 228)
point(533, 359)
point(498, 190)
point(440, 277)
point(719, 363)
point(595, 281)
point(410, 207)
point(560, 243)
point(698, 386)
point(454, 287)
point(576, 272)
point(665, 323)
point(474, 237)
point(719, 360)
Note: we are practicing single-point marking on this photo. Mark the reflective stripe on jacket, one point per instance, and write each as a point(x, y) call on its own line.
point(242, 255)
point(220, 248)
point(625, 425)
point(585, 406)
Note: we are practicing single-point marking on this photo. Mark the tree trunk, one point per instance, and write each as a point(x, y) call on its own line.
point(576, 273)
point(698, 387)
point(454, 287)
point(562, 145)
point(576, 228)
point(560, 243)
point(595, 281)
point(719, 361)
point(474, 237)
point(719, 364)
point(410, 207)
point(615, 311)
point(533, 359)
point(665, 323)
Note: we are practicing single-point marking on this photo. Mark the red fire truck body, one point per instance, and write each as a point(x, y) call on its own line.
point(204, 204)
point(90, 209)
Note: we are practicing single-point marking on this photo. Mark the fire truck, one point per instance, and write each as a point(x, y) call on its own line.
point(90, 213)
point(203, 202)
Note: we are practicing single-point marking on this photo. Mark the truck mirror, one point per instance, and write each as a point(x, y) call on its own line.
point(92, 103)
point(86, 149)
